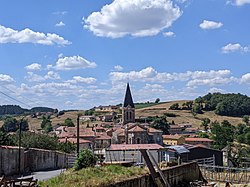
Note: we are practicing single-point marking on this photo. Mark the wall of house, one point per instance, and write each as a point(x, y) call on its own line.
point(177, 175)
point(30, 160)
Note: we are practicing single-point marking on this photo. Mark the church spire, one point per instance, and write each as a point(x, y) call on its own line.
point(128, 100)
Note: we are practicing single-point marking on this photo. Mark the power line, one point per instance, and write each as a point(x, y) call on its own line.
point(20, 95)
point(14, 99)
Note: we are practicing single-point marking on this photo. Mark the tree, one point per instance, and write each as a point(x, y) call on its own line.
point(46, 124)
point(157, 100)
point(161, 123)
point(10, 124)
point(174, 106)
point(197, 108)
point(68, 122)
point(203, 135)
point(5, 139)
point(85, 159)
point(205, 122)
point(245, 119)
point(187, 105)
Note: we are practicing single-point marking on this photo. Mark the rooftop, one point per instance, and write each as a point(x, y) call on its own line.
point(119, 147)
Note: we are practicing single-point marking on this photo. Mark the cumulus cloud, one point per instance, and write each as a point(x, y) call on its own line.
point(137, 18)
point(6, 79)
point(73, 62)
point(79, 79)
point(33, 67)
point(169, 34)
point(230, 48)
point(210, 24)
point(60, 24)
point(238, 2)
point(118, 68)
point(216, 90)
point(245, 78)
point(33, 77)
point(194, 78)
point(8, 35)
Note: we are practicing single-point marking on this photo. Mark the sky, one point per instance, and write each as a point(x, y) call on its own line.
point(80, 54)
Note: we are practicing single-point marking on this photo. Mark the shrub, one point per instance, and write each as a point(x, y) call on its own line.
point(85, 159)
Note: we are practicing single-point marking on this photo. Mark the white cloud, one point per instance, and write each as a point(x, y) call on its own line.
point(169, 34)
point(79, 79)
point(6, 79)
point(245, 78)
point(32, 77)
point(118, 68)
point(230, 48)
point(136, 18)
point(33, 67)
point(238, 2)
point(60, 24)
point(8, 35)
point(216, 90)
point(210, 24)
point(73, 62)
point(149, 74)
point(52, 75)
point(210, 82)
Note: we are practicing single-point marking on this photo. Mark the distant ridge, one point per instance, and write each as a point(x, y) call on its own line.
point(17, 110)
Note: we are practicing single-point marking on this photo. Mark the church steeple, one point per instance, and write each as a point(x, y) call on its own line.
point(128, 108)
point(128, 100)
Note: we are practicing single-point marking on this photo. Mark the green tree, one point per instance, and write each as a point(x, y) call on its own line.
point(203, 135)
point(157, 100)
point(197, 108)
point(161, 123)
point(46, 124)
point(10, 124)
point(68, 122)
point(85, 159)
point(205, 123)
point(245, 119)
point(5, 139)
point(174, 106)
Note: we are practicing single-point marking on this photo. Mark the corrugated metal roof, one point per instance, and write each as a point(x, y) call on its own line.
point(179, 149)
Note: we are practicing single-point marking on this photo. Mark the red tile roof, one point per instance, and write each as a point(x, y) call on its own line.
point(198, 140)
point(153, 130)
point(119, 147)
point(173, 137)
point(74, 140)
point(137, 128)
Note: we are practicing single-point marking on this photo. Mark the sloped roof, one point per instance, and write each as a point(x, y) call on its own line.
point(137, 128)
point(173, 137)
point(179, 149)
point(119, 147)
point(198, 140)
point(128, 100)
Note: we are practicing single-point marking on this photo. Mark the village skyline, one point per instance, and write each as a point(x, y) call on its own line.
point(80, 55)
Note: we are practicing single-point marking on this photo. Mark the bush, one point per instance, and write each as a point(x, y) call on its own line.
point(170, 114)
point(85, 159)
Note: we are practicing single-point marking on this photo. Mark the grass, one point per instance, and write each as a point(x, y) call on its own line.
point(144, 105)
point(97, 176)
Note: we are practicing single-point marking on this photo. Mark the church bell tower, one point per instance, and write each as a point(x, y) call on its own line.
point(128, 108)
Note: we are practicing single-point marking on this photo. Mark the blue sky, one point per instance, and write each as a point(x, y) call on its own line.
point(76, 55)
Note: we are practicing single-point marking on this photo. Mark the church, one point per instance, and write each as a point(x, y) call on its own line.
point(130, 132)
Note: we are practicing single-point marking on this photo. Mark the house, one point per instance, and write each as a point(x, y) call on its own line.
point(88, 118)
point(173, 139)
point(194, 141)
point(83, 144)
point(110, 108)
point(176, 129)
point(131, 153)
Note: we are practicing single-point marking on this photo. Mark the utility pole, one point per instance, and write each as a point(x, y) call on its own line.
point(77, 135)
point(19, 146)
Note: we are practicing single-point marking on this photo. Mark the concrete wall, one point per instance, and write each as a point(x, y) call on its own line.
point(31, 160)
point(176, 176)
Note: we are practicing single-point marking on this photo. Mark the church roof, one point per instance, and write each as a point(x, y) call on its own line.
point(128, 100)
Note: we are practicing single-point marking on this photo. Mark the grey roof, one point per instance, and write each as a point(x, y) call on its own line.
point(128, 100)
point(179, 149)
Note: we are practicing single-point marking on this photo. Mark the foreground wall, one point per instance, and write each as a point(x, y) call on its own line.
point(30, 160)
point(176, 176)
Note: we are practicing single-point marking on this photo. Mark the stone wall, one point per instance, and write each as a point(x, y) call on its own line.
point(176, 176)
point(31, 160)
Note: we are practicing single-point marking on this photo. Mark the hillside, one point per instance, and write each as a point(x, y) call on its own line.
point(183, 116)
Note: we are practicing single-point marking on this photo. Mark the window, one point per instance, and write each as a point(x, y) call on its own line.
point(138, 140)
